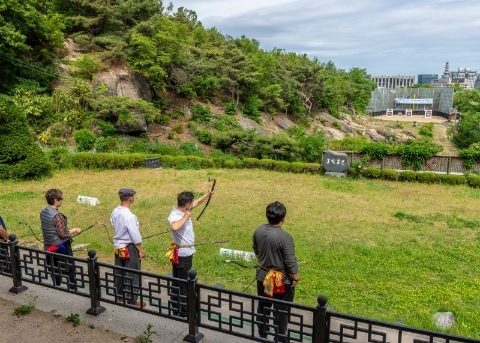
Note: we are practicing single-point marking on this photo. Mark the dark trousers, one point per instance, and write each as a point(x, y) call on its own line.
point(60, 267)
point(127, 283)
point(280, 316)
point(178, 293)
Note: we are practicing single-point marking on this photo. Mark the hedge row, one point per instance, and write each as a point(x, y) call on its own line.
point(64, 159)
point(412, 176)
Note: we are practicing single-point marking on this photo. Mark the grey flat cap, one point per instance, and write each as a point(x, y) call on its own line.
point(126, 193)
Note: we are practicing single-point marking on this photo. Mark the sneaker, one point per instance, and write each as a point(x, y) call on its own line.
point(120, 300)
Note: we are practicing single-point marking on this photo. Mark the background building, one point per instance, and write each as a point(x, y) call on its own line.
point(392, 82)
point(426, 78)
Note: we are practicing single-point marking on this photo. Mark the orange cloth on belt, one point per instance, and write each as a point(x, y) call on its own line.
point(273, 283)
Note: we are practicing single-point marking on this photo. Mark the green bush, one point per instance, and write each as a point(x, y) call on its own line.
point(20, 157)
point(428, 177)
point(231, 108)
point(84, 139)
point(297, 167)
point(473, 181)
point(426, 130)
point(281, 166)
point(312, 168)
point(106, 144)
point(266, 164)
point(389, 174)
point(200, 114)
point(372, 173)
point(251, 163)
point(60, 158)
point(408, 175)
point(452, 179)
point(229, 164)
point(251, 107)
point(85, 67)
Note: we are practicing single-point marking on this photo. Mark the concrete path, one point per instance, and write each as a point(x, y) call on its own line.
point(117, 319)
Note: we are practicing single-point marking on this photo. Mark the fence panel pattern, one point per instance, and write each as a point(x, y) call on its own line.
point(52, 270)
point(346, 328)
point(5, 262)
point(235, 313)
point(157, 291)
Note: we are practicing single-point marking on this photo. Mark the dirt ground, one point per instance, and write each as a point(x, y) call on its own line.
point(46, 327)
point(440, 130)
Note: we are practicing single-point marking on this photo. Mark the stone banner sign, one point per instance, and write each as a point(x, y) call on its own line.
point(335, 163)
point(152, 162)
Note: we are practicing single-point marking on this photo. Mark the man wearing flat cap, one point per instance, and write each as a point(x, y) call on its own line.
point(128, 248)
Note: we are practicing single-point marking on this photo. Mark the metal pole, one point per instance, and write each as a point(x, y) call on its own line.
point(94, 288)
point(193, 309)
point(18, 287)
point(320, 323)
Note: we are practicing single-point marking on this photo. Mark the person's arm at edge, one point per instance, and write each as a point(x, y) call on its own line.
point(3, 233)
point(201, 199)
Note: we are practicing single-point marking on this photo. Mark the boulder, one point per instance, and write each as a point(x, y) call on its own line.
point(122, 82)
point(444, 320)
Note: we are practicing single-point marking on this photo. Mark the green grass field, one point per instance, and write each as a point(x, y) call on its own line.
point(377, 249)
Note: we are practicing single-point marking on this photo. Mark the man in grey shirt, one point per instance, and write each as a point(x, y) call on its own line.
point(275, 253)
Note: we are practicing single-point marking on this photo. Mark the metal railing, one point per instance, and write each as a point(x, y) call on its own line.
point(232, 313)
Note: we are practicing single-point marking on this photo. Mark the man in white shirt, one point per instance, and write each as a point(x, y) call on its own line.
point(128, 248)
point(182, 233)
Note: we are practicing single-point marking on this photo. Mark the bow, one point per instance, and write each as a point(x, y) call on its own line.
point(210, 243)
point(157, 234)
point(88, 228)
point(208, 201)
point(33, 232)
point(240, 264)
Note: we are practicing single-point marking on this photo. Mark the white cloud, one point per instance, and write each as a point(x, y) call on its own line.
point(383, 36)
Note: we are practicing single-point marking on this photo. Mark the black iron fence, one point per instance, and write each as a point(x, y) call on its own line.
point(229, 312)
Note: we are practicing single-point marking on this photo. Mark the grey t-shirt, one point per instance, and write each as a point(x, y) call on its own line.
point(275, 250)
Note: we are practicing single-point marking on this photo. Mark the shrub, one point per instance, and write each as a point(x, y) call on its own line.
point(389, 174)
point(297, 167)
point(408, 175)
point(428, 177)
point(266, 163)
point(473, 181)
point(281, 166)
point(251, 163)
point(229, 164)
point(190, 148)
point(84, 139)
point(451, 179)
point(20, 157)
point(426, 130)
point(231, 108)
point(250, 108)
point(312, 168)
point(200, 114)
point(60, 158)
point(372, 173)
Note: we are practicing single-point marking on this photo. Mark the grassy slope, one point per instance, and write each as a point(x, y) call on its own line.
point(383, 250)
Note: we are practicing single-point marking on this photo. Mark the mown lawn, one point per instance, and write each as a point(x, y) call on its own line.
point(377, 249)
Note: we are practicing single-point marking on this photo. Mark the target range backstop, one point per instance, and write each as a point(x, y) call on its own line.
point(418, 100)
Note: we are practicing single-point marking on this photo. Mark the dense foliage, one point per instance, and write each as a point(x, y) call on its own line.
point(20, 156)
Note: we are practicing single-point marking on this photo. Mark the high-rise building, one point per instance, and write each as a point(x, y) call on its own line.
point(466, 78)
point(393, 82)
point(423, 79)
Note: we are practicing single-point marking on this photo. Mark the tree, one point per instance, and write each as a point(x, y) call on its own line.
point(30, 42)
point(20, 157)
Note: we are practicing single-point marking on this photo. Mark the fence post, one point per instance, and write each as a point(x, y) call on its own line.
point(320, 325)
point(95, 308)
point(193, 309)
point(18, 287)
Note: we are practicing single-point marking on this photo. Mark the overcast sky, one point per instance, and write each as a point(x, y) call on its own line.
point(386, 37)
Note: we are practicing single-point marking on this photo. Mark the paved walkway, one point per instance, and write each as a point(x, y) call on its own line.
point(117, 319)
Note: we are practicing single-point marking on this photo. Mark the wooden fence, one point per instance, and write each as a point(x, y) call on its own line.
point(437, 164)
